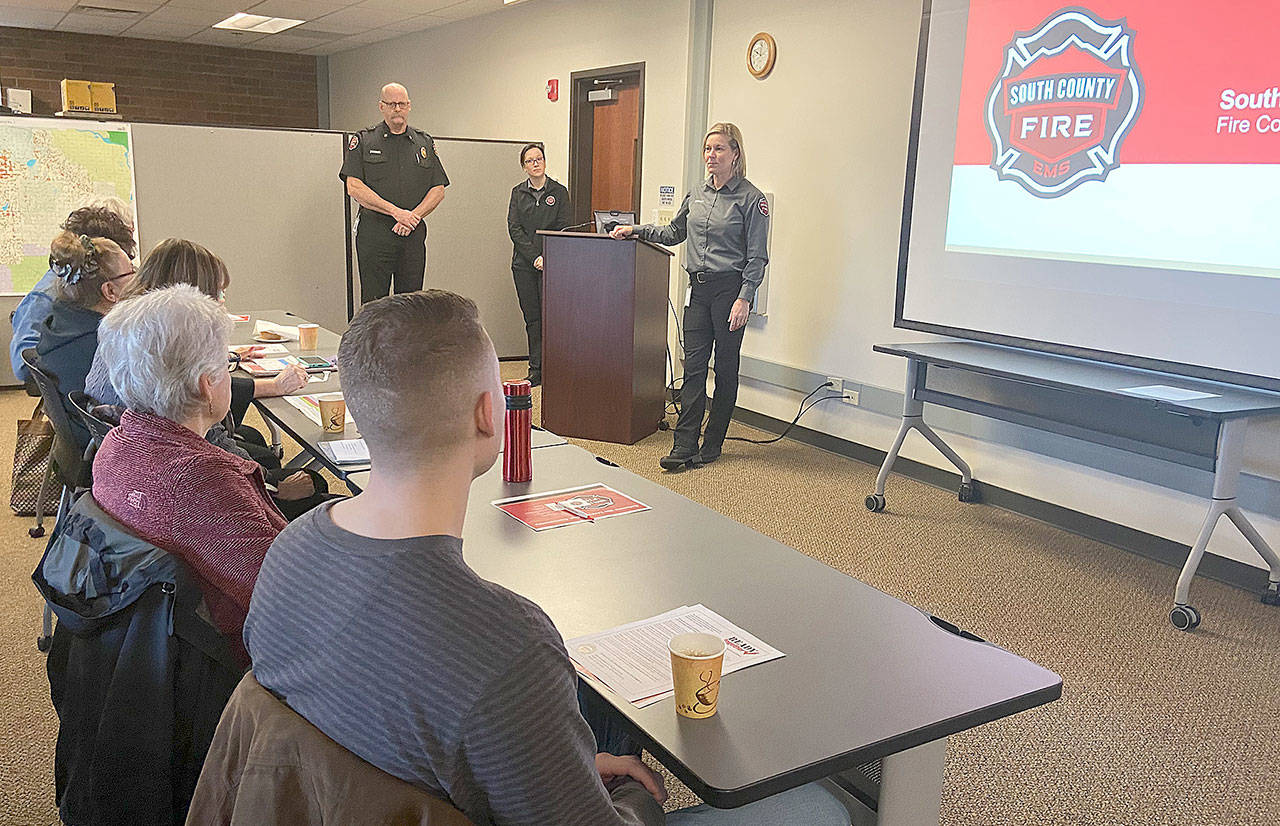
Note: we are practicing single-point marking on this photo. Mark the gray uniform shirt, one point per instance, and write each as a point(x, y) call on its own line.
point(402, 654)
point(727, 230)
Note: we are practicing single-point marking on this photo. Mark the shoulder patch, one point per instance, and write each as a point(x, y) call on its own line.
point(763, 205)
point(353, 141)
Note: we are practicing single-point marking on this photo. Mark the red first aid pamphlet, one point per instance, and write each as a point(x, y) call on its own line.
point(584, 504)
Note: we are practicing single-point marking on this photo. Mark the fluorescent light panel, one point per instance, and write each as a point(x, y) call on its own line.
point(243, 22)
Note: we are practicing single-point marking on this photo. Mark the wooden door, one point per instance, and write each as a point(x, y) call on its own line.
point(614, 143)
point(606, 139)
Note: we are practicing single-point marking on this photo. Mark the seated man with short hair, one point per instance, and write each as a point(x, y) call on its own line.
point(367, 621)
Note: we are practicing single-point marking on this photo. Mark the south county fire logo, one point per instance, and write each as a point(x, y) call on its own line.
point(1068, 96)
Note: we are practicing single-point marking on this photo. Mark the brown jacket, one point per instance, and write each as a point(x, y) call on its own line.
point(268, 766)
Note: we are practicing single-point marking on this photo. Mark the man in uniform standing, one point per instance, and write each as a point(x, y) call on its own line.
point(394, 173)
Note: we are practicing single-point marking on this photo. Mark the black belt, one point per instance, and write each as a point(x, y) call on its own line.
point(708, 277)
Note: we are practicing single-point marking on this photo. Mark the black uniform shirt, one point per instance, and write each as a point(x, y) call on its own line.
point(399, 168)
point(531, 210)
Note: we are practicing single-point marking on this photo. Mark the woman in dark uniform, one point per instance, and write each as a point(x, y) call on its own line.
point(537, 203)
point(726, 221)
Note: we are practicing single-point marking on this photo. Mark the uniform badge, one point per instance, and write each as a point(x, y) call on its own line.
point(353, 141)
point(763, 206)
point(423, 152)
point(1066, 98)
point(551, 200)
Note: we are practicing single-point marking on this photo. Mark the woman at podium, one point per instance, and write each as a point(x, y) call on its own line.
point(726, 221)
point(536, 203)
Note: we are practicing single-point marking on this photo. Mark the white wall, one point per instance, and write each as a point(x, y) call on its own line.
point(485, 77)
point(827, 133)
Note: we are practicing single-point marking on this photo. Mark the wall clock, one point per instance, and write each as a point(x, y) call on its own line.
point(761, 52)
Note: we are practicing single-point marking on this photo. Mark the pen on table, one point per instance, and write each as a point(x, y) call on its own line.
point(576, 511)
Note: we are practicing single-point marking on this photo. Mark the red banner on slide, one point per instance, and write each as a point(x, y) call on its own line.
point(1211, 78)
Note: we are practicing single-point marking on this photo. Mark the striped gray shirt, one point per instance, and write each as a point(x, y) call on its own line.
point(402, 654)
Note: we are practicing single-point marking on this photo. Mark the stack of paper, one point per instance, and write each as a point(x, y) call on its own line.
point(345, 451)
point(633, 659)
point(287, 332)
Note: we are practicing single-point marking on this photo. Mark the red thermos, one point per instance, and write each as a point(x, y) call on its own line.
point(517, 460)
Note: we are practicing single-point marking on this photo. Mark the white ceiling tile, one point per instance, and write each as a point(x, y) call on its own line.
point(284, 42)
point(221, 37)
point(227, 7)
point(341, 26)
point(409, 7)
point(416, 24)
point(360, 19)
point(46, 5)
point(180, 15)
point(25, 18)
point(295, 9)
point(162, 31)
point(94, 24)
point(469, 8)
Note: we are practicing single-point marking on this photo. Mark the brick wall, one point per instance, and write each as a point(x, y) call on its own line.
point(164, 82)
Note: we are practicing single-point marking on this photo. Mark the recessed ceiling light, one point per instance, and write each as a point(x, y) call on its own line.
point(242, 22)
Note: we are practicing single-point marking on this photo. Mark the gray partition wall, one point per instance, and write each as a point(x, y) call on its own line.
point(468, 249)
point(268, 201)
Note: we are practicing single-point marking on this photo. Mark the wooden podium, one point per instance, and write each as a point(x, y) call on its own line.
point(604, 336)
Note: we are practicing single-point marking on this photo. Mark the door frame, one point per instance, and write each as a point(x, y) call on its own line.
point(581, 136)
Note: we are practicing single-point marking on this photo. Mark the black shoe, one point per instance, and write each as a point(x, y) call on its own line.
point(706, 456)
point(679, 458)
point(534, 379)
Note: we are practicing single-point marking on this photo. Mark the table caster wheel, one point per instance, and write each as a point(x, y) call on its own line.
point(43, 643)
point(1271, 596)
point(36, 532)
point(875, 502)
point(1184, 617)
point(969, 492)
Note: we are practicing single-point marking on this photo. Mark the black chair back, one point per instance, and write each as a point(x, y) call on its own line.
point(68, 462)
point(98, 428)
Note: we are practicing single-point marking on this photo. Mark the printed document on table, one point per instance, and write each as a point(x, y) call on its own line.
point(633, 659)
point(345, 451)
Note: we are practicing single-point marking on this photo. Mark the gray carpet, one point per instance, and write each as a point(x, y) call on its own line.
point(1155, 726)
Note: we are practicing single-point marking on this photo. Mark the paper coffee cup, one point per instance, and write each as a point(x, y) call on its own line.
point(696, 663)
point(333, 414)
point(308, 336)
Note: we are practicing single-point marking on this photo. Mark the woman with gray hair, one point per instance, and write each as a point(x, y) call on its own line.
point(156, 475)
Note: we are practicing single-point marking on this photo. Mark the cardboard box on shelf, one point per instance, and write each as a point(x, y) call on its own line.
point(19, 100)
point(103, 97)
point(76, 96)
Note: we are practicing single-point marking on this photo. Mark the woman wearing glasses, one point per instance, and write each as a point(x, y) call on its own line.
point(92, 274)
point(536, 203)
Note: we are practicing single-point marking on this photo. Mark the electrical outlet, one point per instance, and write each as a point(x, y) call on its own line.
point(837, 384)
point(850, 394)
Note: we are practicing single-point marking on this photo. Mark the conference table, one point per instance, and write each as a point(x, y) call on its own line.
point(866, 695)
point(280, 415)
point(869, 685)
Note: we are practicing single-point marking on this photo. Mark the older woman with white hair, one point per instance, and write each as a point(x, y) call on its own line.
point(155, 474)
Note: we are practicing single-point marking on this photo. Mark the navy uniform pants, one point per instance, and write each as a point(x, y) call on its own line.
point(384, 256)
point(529, 292)
point(706, 327)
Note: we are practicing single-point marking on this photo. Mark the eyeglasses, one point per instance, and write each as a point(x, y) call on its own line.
point(123, 275)
point(535, 161)
point(396, 104)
